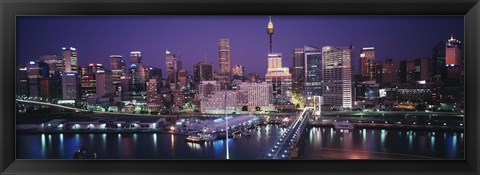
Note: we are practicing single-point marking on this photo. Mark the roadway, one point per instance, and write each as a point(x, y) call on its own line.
point(284, 145)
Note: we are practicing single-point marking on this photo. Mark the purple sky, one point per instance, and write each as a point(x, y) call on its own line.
point(193, 37)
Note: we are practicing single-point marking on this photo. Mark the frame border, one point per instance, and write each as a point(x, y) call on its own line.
point(10, 8)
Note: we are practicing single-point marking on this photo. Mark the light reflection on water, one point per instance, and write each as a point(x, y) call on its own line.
point(321, 143)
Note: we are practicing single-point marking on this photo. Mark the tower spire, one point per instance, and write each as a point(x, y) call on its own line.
point(270, 32)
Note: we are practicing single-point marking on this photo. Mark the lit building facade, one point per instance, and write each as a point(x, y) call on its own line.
point(280, 78)
point(313, 74)
point(35, 72)
point(238, 72)
point(69, 58)
point(220, 102)
point(55, 63)
point(22, 81)
point(367, 63)
point(117, 65)
point(224, 62)
point(258, 94)
point(206, 88)
point(337, 74)
point(298, 77)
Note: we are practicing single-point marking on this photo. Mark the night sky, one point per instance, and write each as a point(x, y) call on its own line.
point(193, 37)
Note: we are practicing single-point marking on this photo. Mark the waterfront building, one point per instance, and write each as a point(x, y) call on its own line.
point(387, 73)
point(117, 65)
point(313, 74)
point(298, 77)
point(367, 63)
point(216, 102)
point(70, 86)
point(337, 75)
point(224, 62)
point(238, 72)
point(203, 71)
point(69, 58)
point(258, 94)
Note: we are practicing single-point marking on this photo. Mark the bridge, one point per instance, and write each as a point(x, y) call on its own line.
point(286, 146)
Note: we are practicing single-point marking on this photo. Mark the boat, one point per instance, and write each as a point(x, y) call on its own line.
point(209, 137)
point(195, 139)
point(343, 125)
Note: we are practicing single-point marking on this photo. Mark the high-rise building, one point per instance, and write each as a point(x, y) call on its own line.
point(438, 59)
point(173, 65)
point(238, 72)
point(423, 69)
point(280, 78)
point(298, 76)
point(253, 77)
point(69, 58)
point(454, 61)
point(117, 65)
point(453, 52)
point(152, 92)
point(182, 79)
point(313, 73)
point(22, 81)
point(337, 74)
point(367, 63)
point(55, 63)
point(104, 83)
point(406, 72)
point(135, 57)
point(224, 62)
point(220, 102)
point(70, 86)
point(35, 72)
point(203, 71)
point(155, 73)
point(387, 73)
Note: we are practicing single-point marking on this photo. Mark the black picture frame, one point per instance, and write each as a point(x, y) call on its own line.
point(11, 8)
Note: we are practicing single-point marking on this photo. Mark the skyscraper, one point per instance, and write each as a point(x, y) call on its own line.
point(313, 73)
point(203, 71)
point(438, 58)
point(224, 62)
point(69, 58)
point(337, 74)
point(117, 65)
point(173, 65)
point(135, 57)
point(298, 77)
point(22, 81)
point(453, 52)
point(104, 83)
point(367, 63)
point(55, 63)
point(35, 72)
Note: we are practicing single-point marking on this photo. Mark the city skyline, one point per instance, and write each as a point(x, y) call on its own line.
point(194, 38)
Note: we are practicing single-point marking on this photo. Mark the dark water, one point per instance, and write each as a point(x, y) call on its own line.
point(321, 143)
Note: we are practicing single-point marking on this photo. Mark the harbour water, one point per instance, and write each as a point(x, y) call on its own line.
point(320, 143)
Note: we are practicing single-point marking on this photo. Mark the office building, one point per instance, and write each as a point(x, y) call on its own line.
point(313, 74)
point(203, 71)
point(70, 86)
point(223, 75)
point(69, 59)
point(387, 73)
point(367, 63)
point(298, 77)
point(238, 72)
point(337, 75)
point(117, 65)
point(36, 70)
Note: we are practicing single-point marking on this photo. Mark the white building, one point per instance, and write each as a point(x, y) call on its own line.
point(215, 103)
point(206, 88)
point(337, 76)
point(258, 94)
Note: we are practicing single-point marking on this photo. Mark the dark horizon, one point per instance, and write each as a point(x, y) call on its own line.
point(194, 38)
